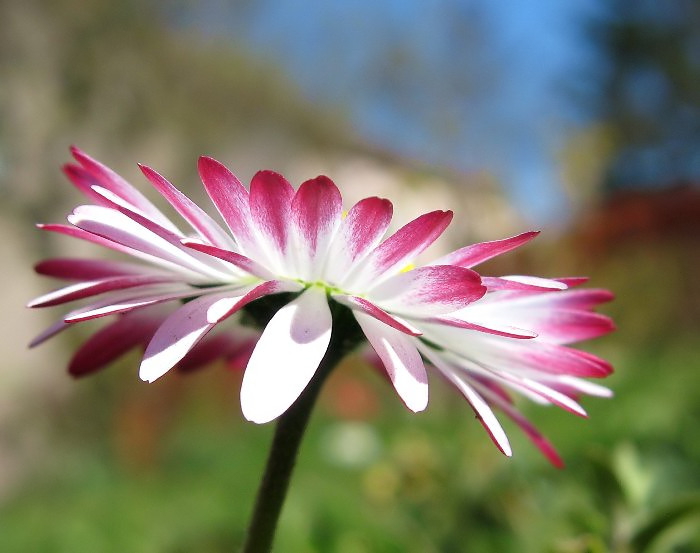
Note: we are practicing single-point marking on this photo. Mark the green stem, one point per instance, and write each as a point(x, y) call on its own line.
point(285, 445)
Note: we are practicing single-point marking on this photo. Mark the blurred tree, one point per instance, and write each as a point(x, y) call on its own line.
point(652, 93)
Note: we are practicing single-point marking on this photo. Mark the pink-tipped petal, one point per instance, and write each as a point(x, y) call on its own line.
point(475, 254)
point(482, 410)
point(401, 248)
point(488, 328)
point(118, 227)
point(95, 287)
point(431, 290)
point(83, 180)
point(361, 304)
point(270, 208)
point(181, 331)
point(359, 233)
point(544, 445)
point(244, 263)
point(286, 357)
point(316, 213)
point(496, 284)
point(190, 211)
point(110, 343)
point(110, 180)
point(531, 282)
point(231, 200)
point(128, 300)
point(401, 360)
point(50, 332)
point(88, 269)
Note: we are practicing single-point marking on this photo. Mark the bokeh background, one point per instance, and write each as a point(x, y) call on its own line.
point(580, 118)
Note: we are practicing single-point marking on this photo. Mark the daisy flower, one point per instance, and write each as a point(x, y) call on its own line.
point(488, 336)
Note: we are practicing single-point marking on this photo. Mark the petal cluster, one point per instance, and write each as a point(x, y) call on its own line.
point(489, 336)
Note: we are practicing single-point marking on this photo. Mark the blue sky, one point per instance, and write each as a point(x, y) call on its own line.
point(492, 84)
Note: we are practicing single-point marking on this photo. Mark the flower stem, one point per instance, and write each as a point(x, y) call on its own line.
point(285, 444)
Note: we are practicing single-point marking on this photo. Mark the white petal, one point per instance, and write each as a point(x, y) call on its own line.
point(401, 360)
point(481, 408)
point(286, 357)
point(181, 331)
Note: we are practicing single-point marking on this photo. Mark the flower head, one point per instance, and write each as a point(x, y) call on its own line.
point(486, 335)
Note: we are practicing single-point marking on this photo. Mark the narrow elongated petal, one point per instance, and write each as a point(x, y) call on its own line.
point(128, 300)
point(366, 306)
point(242, 262)
point(190, 211)
point(95, 287)
point(112, 181)
point(400, 248)
point(83, 180)
point(400, 358)
point(231, 200)
point(495, 284)
point(286, 356)
point(88, 269)
point(526, 426)
point(475, 254)
point(110, 343)
point(117, 227)
point(487, 327)
point(316, 213)
point(197, 261)
point(481, 408)
point(50, 332)
point(359, 233)
point(189, 324)
point(270, 208)
point(429, 290)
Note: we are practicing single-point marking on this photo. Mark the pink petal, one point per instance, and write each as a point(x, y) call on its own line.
point(286, 356)
point(111, 342)
point(532, 433)
point(90, 237)
point(83, 181)
point(360, 232)
point(270, 206)
point(561, 326)
point(400, 358)
point(190, 211)
point(95, 287)
point(118, 227)
point(495, 284)
point(488, 328)
point(484, 414)
point(244, 263)
point(198, 262)
point(316, 213)
point(129, 300)
point(50, 332)
point(231, 199)
point(189, 324)
point(401, 247)
point(548, 358)
point(428, 290)
point(112, 181)
point(475, 254)
point(222, 346)
point(361, 304)
point(87, 269)
point(525, 282)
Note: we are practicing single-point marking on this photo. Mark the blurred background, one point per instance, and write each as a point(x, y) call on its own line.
point(580, 118)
